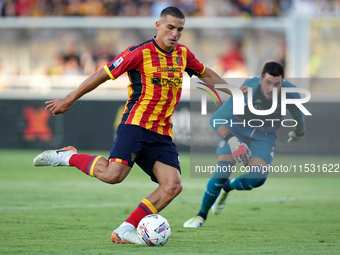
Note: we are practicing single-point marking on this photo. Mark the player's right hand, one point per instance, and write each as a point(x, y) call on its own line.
point(240, 151)
point(57, 106)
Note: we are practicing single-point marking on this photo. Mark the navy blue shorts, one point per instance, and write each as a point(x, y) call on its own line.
point(135, 144)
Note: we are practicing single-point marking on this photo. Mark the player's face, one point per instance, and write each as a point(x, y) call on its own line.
point(268, 82)
point(169, 30)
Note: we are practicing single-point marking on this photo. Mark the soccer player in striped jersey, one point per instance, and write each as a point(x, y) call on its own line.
point(144, 136)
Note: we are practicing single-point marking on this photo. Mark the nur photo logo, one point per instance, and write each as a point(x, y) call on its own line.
point(204, 98)
point(240, 102)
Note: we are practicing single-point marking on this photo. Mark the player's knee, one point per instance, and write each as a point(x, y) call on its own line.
point(179, 189)
point(113, 175)
point(171, 190)
point(176, 189)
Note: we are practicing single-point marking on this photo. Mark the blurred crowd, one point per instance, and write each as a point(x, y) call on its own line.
point(72, 62)
point(74, 59)
point(96, 7)
point(230, 63)
point(146, 8)
point(265, 8)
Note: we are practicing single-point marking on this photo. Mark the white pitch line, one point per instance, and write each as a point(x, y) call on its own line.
point(178, 201)
point(52, 207)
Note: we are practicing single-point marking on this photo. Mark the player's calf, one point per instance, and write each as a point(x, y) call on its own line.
point(253, 179)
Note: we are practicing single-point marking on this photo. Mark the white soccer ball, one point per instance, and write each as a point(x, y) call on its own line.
point(153, 230)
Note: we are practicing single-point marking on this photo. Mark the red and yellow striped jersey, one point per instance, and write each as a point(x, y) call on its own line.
point(155, 82)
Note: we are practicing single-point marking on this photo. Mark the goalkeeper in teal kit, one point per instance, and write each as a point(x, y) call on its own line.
point(252, 145)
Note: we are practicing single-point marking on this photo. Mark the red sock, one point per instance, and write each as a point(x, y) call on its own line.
point(144, 208)
point(84, 162)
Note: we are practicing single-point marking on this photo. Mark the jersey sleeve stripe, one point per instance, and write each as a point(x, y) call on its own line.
point(203, 70)
point(109, 72)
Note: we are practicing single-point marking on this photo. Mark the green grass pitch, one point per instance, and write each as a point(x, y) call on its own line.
point(62, 211)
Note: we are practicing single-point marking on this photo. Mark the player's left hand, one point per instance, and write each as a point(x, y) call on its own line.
point(294, 136)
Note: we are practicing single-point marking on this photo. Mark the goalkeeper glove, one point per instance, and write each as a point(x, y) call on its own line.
point(294, 136)
point(240, 151)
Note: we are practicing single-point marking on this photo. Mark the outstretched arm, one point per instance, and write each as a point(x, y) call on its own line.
point(211, 78)
point(58, 106)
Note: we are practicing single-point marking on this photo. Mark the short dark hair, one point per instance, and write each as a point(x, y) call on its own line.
point(172, 11)
point(274, 69)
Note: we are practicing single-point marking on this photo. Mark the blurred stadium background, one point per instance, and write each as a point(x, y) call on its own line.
point(47, 47)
